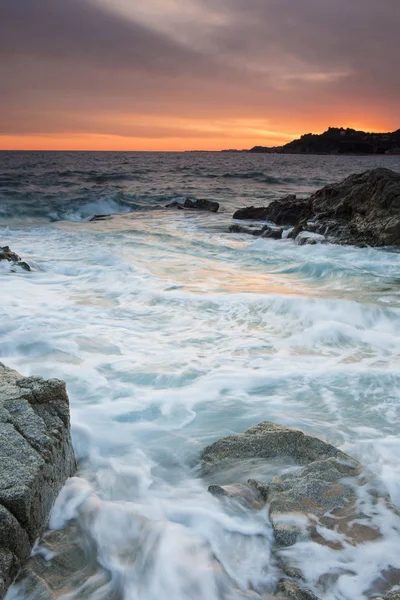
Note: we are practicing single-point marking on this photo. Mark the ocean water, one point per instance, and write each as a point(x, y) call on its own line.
point(171, 332)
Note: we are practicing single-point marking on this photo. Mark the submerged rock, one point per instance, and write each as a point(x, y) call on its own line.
point(201, 204)
point(265, 441)
point(308, 238)
point(267, 231)
point(252, 494)
point(293, 591)
point(36, 458)
point(7, 254)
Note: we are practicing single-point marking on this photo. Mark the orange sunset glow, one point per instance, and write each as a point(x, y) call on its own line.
point(191, 74)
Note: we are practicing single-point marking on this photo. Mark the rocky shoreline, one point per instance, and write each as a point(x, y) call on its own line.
point(36, 459)
point(324, 499)
point(317, 498)
point(362, 210)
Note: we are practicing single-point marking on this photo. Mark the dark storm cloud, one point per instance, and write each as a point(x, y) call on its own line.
point(65, 63)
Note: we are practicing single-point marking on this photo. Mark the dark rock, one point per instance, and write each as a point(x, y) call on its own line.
point(263, 213)
point(293, 591)
point(255, 230)
point(267, 231)
point(10, 256)
point(366, 206)
point(200, 204)
point(267, 440)
point(7, 254)
point(364, 209)
point(36, 457)
point(175, 204)
point(255, 213)
point(294, 232)
point(289, 210)
point(100, 217)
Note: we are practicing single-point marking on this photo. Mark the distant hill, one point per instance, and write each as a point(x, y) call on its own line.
point(339, 141)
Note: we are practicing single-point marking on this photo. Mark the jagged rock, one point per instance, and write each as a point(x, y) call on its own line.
point(261, 213)
point(289, 210)
point(7, 254)
point(265, 441)
point(392, 596)
point(255, 230)
point(364, 209)
point(36, 457)
point(309, 238)
point(199, 204)
point(251, 213)
point(301, 500)
point(267, 231)
point(293, 591)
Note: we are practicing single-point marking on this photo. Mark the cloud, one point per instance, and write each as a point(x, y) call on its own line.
point(95, 65)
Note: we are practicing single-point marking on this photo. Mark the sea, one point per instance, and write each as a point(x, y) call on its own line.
point(171, 332)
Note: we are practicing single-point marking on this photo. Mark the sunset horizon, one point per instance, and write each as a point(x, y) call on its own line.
point(174, 76)
point(108, 143)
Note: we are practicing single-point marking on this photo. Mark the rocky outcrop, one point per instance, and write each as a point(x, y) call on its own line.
point(201, 204)
point(7, 254)
point(261, 213)
point(36, 458)
point(364, 209)
point(340, 140)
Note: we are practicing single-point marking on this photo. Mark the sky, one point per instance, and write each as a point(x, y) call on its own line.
point(194, 74)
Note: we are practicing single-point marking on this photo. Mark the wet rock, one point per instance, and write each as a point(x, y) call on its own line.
point(364, 209)
point(308, 238)
point(100, 218)
point(255, 230)
point(300, 502)
point(266, 231)
point(36, 457)
point(60, 565)
point(253, 494)
point(289, 210)
point(265, 441)
point(175, 204)
point(200, 204)
point(293, 591)
point(392, 596)
point(263, 213)
point(251, 213)
point(7, 254)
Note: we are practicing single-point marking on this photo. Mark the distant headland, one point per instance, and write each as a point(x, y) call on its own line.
point(336, 140)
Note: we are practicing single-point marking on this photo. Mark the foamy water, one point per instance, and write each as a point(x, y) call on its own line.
point(171, 333)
